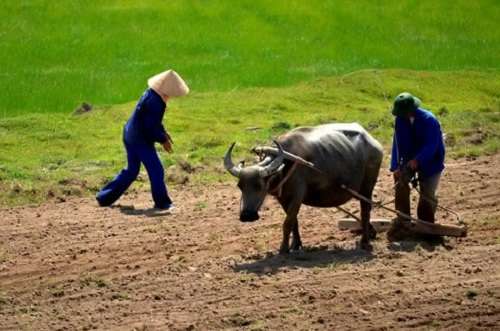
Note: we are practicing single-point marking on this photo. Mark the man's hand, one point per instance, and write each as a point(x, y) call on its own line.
point(413, 165)
point(167, 145)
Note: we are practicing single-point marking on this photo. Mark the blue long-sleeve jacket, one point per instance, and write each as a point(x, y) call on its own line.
point(422, 140)
point(145, 125)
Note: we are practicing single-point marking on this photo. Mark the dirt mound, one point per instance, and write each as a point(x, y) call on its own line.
point(73, 265)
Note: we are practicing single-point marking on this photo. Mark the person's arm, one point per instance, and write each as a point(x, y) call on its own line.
point(396, 148)
point(394, 154)
point(431, 143)
point(152, 121)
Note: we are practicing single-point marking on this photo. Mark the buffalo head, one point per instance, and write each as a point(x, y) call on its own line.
point(253, 181)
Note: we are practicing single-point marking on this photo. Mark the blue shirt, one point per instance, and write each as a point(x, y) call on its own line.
point(422, 140)
point(145, 125)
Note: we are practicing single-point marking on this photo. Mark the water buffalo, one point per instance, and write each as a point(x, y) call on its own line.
point(342, 153)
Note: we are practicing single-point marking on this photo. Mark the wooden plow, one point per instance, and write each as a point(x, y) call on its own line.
point(414, 224)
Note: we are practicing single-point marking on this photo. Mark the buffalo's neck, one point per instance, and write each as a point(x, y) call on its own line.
point(278, 181)
point(273, 183)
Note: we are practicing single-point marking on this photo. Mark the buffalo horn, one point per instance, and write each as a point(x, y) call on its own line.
point(287, 155)
point(276, 164)
point(228, 163)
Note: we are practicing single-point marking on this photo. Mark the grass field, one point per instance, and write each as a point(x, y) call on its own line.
point(58, 54)
point(56, 155)
point(256, 69)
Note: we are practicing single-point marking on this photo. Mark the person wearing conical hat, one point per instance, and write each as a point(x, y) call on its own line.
point(418, 147)
point(143, 129)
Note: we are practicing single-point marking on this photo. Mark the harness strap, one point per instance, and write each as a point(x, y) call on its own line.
point(279, 187)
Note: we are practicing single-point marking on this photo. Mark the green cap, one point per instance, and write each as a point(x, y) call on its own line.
point(405, 103)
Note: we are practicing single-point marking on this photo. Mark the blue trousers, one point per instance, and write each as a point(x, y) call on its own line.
point(137, 154)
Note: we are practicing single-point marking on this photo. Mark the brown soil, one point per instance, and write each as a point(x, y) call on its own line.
point(73, 265)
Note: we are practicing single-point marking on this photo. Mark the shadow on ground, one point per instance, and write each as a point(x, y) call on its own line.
point(412, 244)
point(149, 212)
point(310, 257)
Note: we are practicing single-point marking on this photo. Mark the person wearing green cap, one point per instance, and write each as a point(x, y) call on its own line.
point(418, 147)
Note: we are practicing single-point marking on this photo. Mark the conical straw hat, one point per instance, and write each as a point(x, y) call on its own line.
point(168, 83)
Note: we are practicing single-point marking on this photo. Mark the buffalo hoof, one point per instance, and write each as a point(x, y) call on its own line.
point(297, 251)
point(296, 246)
point(366, 245)
point(284, 251)
point(372, 234)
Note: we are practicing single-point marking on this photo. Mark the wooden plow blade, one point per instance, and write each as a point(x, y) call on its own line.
point(414, 224)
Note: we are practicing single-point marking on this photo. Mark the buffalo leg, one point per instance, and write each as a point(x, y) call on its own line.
point(289, 224)
point(287, 229)
point(296, 242)
point(368, 232)
point(367, 228)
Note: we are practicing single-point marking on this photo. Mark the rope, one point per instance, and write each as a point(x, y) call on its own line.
point(433, 202)
point(379, 205)
point(412, 181)
point(279, 187)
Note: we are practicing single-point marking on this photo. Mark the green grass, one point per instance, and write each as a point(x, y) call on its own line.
point(56, 54)
point(55, 155)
